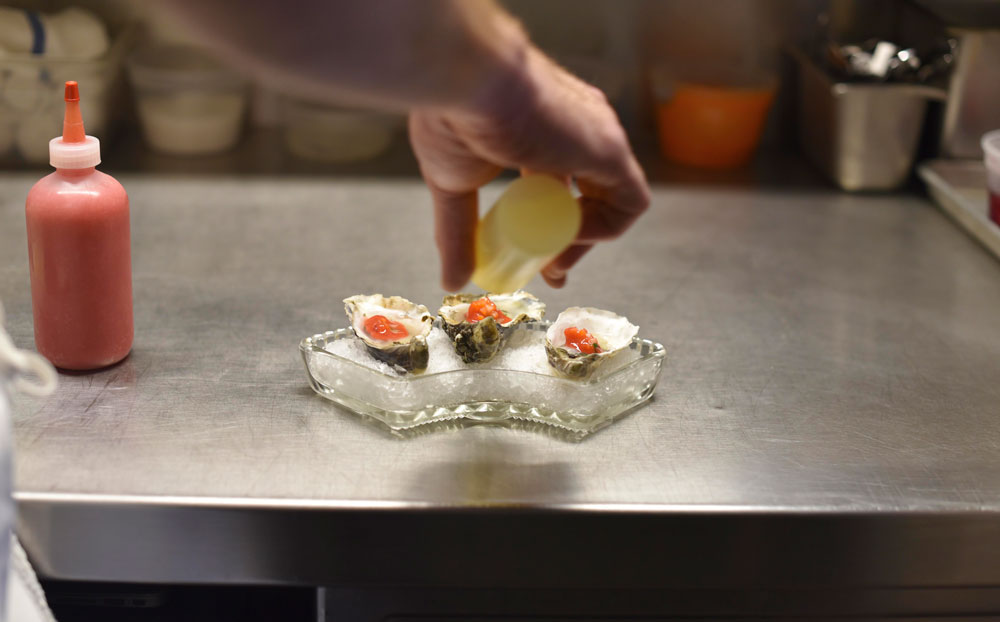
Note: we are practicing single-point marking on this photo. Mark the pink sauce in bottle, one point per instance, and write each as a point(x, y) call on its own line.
point(79, 254)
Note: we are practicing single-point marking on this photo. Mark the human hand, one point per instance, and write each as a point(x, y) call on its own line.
point(539, 118)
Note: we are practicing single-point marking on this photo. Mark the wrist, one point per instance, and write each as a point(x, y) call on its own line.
point(506, 82)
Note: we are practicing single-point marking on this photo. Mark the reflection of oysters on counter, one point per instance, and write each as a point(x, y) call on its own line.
point(479, 325)
point(582, 338)
point(393, 329)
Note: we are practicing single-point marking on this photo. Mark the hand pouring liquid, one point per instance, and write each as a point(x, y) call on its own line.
point(534, 220)
point(79, 253)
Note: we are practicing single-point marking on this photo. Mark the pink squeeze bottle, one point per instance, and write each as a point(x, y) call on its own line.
point(79, 253)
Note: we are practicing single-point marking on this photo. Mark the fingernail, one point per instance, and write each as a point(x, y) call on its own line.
point(555, 281)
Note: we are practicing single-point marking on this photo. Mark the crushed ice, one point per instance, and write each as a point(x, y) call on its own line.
point(524, 351)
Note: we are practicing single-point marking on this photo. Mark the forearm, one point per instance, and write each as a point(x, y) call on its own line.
point(389, 53)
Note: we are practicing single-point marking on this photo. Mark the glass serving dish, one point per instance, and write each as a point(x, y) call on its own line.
point(480, 394)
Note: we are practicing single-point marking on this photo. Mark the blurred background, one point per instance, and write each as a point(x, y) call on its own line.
point(731, 91)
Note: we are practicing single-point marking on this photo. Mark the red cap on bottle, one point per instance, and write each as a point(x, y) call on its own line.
point(74, 149)
point(73, 121)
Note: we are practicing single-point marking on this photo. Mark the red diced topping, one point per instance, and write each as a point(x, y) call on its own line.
point(483, 308)
point(382, 328)
point(580, 340)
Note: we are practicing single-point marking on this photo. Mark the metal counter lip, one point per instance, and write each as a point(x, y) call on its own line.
point(681, 509)
point(487, 547)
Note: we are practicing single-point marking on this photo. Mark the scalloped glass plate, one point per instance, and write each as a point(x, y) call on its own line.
point(485, 394)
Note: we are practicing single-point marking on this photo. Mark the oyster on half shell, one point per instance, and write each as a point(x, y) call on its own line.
point(613, 334)
point(477, 341)
point(400, 338)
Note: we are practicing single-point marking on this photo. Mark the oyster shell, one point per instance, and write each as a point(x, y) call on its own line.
point(407, 353)
point(477, 342)
point(613, 332)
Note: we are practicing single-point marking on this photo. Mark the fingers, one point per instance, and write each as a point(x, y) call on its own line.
point(563, 128)
point(591, 145)
point(455, 218)
point(609, 210)
point(565, 179)
point(555, 272)
point(445, 159)
point(453, 174)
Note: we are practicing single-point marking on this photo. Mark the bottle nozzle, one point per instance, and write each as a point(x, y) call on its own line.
point(73, 131)
point(74, 149)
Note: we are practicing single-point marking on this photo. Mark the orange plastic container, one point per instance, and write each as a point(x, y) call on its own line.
point(712, 126)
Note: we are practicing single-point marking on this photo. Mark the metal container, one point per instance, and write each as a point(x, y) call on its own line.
point(862, 135)
point(974, 93)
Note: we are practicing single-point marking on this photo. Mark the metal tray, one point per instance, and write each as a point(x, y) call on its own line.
point(483, 394)
point(959, 187)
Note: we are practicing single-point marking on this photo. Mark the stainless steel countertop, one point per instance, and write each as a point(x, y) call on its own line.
point(833, 380)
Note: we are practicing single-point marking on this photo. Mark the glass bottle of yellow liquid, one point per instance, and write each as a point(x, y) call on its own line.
point(534, 220)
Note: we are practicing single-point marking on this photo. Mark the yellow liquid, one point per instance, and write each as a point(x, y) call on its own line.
point(534, 220)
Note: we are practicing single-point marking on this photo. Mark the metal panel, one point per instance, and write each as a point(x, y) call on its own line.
point(830, 393)
point(973, 93)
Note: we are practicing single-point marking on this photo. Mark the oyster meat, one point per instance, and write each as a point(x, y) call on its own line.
point(479, 324)
point(393, 329)
point(582, 338)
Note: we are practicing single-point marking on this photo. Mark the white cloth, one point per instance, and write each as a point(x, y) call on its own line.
point(25, 598)
point(21, 598)
point(6, 500)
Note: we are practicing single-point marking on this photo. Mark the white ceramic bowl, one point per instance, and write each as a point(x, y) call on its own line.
point(189, 104)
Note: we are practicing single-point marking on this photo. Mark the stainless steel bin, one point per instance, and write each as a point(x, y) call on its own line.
point(862, 135)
